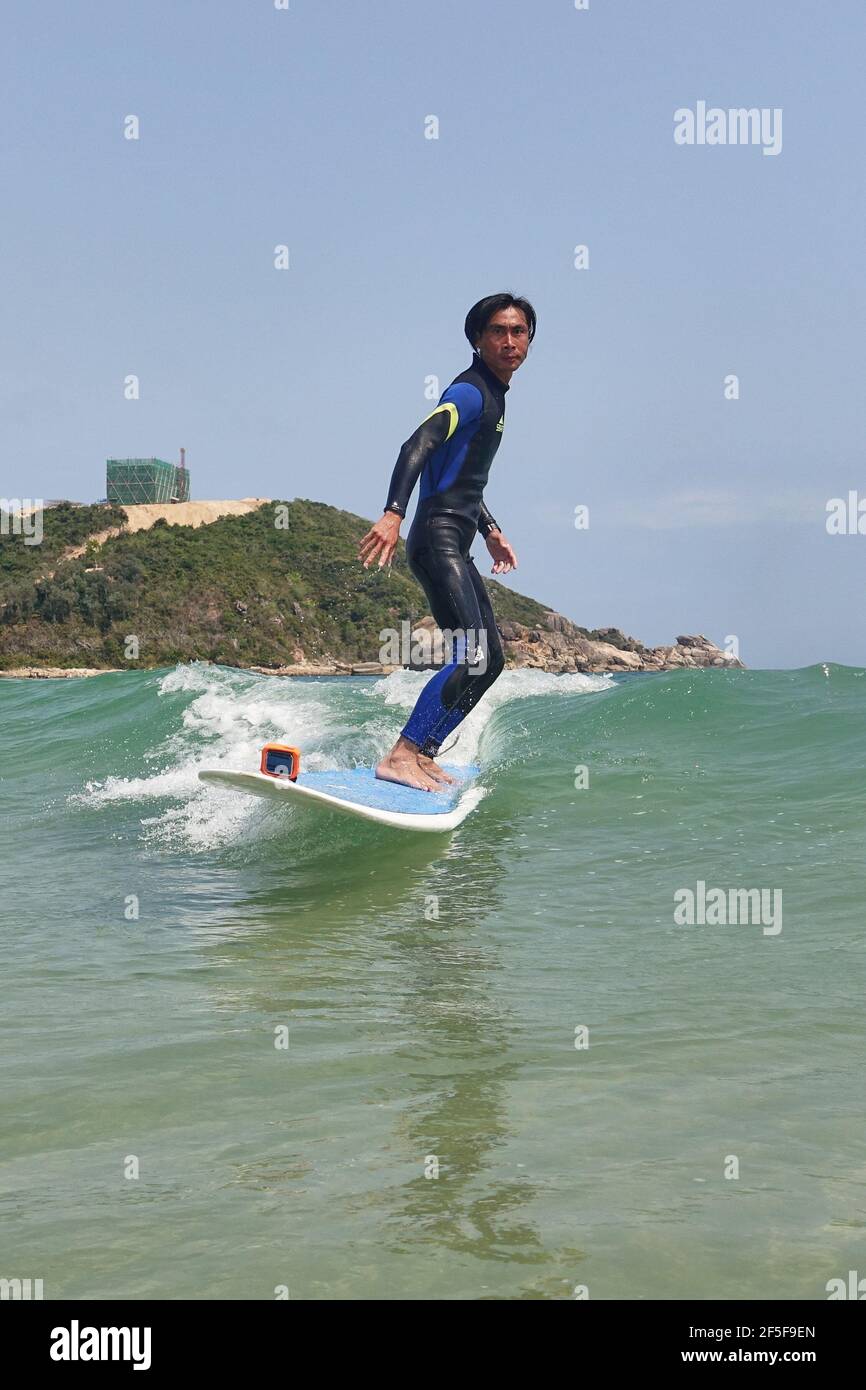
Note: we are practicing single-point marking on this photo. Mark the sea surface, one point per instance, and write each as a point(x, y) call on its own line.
point(251, 1050)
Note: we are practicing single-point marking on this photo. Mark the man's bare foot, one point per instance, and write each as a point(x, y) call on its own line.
point(406, 771)
point(433, 769)
point(401, 765)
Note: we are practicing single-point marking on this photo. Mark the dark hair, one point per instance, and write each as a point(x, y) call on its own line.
point(481, 313)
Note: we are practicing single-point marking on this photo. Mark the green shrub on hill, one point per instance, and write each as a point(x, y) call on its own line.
point(242, 590)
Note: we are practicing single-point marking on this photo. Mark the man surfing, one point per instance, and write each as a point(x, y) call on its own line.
point(451, 451)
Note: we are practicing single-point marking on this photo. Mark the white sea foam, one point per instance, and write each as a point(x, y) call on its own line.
point(231, 714)
point(403, 688)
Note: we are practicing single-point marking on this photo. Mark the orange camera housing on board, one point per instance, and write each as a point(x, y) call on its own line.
point(281, 760)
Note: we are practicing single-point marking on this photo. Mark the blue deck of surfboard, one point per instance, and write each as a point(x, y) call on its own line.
point(361, 786)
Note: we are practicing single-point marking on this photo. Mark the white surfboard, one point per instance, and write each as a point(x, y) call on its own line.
point(359, 792)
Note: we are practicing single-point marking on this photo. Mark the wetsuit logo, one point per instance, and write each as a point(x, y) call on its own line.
point(501, 426)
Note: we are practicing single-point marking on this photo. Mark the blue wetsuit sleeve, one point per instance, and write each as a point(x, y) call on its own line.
point(460, 405)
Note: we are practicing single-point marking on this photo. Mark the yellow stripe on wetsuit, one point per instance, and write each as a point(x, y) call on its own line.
point(452, 411)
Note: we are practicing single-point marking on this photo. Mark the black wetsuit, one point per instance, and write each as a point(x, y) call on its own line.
point(452, 451)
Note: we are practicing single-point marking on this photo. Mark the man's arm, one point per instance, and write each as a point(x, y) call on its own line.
point(504, 558)
point(487, 521)
point(412, 457)
point(460, 405)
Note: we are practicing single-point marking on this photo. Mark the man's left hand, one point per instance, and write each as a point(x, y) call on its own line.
point(504, 558)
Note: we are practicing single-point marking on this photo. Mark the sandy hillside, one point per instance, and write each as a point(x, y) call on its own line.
point(142, 515)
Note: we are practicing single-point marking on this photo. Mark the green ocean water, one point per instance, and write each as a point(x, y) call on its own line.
point(433, 991)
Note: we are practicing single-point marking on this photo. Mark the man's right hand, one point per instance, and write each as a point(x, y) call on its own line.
point(381, 540)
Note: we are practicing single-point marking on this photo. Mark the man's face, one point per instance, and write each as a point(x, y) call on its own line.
point(505, 342)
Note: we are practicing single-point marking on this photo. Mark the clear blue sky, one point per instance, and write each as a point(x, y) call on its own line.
point(306, 127)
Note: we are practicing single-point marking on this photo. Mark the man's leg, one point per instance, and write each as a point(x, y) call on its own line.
point(441, 572)
point(472, 672)
point(460, 603)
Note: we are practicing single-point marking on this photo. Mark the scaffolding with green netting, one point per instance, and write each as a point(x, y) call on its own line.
point(145, 480)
